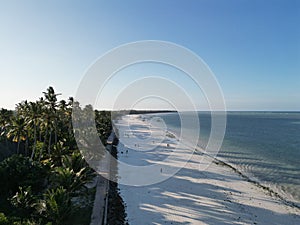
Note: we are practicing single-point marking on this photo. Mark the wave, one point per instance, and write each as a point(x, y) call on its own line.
point(269, 173)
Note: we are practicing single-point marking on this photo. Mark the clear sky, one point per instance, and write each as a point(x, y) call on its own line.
point(253, 47)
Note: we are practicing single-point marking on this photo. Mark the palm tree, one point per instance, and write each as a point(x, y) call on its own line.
point(34, 120)
point(63, 117)
point(17, 131)
point(41, 103)
point(24, 201)
point(56, 206)
point(45, 126)
point(51, 103)
point(103, 124)
point(23, 110)
point(5, 120)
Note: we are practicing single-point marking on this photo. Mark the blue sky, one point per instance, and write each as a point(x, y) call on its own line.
point(253, 47)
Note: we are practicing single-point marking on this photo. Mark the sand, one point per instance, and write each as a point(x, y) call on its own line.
point(216, 195)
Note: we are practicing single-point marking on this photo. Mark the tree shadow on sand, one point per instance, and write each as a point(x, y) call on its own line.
point(184, 199)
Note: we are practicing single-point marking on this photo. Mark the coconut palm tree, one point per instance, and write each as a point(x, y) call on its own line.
point(33, 121)
point(22, 110)
point(51, 102)
point(17, 131)
point(5, 120)
point(45, 126)
point(56, 206)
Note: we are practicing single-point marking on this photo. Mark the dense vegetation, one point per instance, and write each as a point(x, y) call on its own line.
point(116, 213)
point(42, 173)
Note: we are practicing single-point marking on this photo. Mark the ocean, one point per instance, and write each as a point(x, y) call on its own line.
point(265, 146)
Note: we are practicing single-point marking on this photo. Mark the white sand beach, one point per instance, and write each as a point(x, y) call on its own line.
point(216, 195)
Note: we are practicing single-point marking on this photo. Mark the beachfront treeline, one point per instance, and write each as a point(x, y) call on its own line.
point(42, 173)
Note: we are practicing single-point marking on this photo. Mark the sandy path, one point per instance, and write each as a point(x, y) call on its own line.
point(216, 195)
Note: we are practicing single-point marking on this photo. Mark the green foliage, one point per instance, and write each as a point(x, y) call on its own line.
point(103, 124)
point(56, 206)
point(3, 219)
point(39, 150)
point(27, 222)
point(59, 150)
point(48, 169)
point(73, 182)
point(73, 174)
point(24, 202)
point(14, 221)
point(21, 171)
point(75, 161)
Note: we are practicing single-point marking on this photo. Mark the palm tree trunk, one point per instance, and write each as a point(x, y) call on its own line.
point(18, 147)
point(44, 145)
point(55, 130)
point(26, 144)
point(40, 135)
point(34, 145)
point(49, 144)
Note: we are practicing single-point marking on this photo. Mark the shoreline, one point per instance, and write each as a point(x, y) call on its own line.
point(269, 190)
point(222, 161)
point(222, 191)
point(286, 197)
point(255, 181)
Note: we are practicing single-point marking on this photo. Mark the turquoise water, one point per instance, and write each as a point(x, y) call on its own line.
point(263, 145)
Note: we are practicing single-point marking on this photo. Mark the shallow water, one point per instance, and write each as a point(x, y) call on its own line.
point(263, 145)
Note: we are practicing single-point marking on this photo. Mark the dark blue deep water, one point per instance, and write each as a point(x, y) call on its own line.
point(263, 145)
